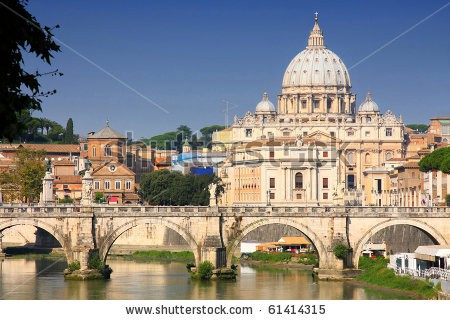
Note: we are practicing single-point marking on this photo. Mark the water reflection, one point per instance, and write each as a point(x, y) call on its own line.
point(42, 278)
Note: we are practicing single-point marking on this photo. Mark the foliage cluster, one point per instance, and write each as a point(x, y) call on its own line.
point(420, 127)
point(24, 181)
point(376, 272)
point(95, 262)
point(447, 199)
point(437, 160)
point(65, 200)
point(19, 88)
point(173, 140)
point(164, 187)
point(98, 197)
point(164, 256)
point(270, 257)
point(340, 251)
point(205, 270)
point(308, 259)
point(73, 266)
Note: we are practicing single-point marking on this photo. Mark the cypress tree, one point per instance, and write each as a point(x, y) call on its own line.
point(68, 137)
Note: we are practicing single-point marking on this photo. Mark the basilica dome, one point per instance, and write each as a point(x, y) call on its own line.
point(316, 65)
point(265, 106)
point(369, 105)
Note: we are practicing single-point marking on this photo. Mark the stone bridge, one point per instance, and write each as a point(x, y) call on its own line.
point(80, 230)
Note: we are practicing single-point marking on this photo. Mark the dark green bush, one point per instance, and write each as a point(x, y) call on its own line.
point(75, 265)
point(340, 251)
point(95, 262)
point(205, 270)
point(270, 257)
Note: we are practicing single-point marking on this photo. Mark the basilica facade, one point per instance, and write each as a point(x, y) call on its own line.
point(316, 147)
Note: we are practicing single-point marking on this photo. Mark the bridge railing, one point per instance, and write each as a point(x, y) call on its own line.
point(322, 211)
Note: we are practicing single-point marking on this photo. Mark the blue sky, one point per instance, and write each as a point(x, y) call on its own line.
point(189, 56)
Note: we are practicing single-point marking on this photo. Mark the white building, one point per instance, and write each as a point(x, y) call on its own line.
point(315, 147)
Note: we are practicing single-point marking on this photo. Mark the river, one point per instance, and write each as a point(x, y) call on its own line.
point(42, 278)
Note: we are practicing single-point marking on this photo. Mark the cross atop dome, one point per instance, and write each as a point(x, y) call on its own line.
point(315, 39)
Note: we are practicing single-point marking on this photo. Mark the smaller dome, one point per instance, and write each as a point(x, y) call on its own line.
point(369, 105)
point(265, 106)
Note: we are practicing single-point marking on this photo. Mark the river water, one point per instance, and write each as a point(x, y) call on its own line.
point(42, 278)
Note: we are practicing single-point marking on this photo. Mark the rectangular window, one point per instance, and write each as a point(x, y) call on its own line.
point(286, 134)
point(325, 154)
point(305, 133)
point(96, 185)
point(325, 196)
point(303, 104)
point(367, 133)
point(325, 183)
point(85, 147)
point(272, 182)
point(332, 134)
point(272, 154)
point(107, 185)
point(118, 184)
point(128, 185)
point(350, 133)
point(299, 196)
point(94, 151)
point(270, 135)
point(248, 133)
point(316, 104)
point(144, 164)
point(388, 132)
point(272, 195)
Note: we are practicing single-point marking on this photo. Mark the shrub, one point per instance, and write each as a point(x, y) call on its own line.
point(95, 262)
point(205, 270)
point(340, 251)
point(270, 257)
point(447, 199)
point(75, 265)
point(65, 200)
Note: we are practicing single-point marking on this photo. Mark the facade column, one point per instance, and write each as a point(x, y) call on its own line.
point(430, 188)
point(439, 185)
point(448, 184)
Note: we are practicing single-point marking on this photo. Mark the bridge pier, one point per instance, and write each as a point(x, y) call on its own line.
point(1, 243)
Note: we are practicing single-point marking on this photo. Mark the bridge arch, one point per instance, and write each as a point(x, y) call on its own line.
point(53, 230)
point(315, 240)
point(109, 240)
point(429, 230)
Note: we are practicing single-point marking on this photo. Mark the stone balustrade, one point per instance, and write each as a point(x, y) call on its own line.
point(183, 211)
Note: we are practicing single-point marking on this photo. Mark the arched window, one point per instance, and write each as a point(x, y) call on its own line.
point(351, 158)
point(107, 150)
point(299, 180)
point(368, 119)
point(388, 155)
point(367, 159)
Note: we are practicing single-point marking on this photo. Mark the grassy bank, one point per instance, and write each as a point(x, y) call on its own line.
point(305, 259)
point(162, 256)
point(377, 273)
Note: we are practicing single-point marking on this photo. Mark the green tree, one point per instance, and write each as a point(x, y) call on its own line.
point(421, 128)
point(98, 197)
point(164, 187)
point(207, 134)
point(68, 136)
point(24, 181)
point(437, 160)
point(19, 88)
